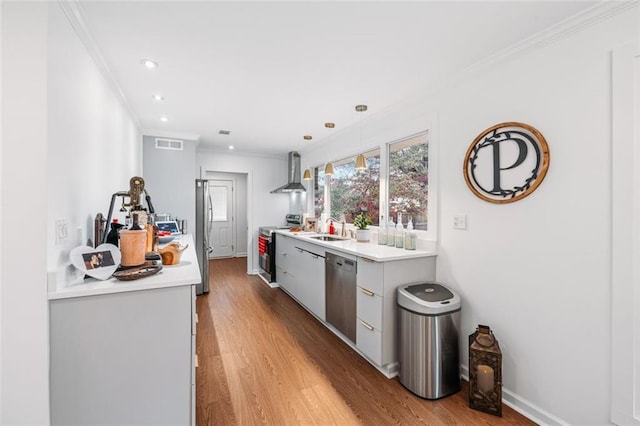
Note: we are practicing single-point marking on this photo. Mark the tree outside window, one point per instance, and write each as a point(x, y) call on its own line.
point(408, 180)
point(353, 191)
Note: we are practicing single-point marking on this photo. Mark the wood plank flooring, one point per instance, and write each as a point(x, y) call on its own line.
point(265, 360)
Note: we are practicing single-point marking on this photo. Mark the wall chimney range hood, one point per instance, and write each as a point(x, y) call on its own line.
point(294, 183)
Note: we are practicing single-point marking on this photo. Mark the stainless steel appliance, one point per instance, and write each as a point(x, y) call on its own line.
point(267, 246)
point(204, 218)
point(340, 276)
point(294, 183)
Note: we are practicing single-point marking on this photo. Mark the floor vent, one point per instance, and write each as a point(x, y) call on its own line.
point(169, 144)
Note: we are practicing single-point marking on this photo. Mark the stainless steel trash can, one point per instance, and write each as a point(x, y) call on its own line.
point(429, 323)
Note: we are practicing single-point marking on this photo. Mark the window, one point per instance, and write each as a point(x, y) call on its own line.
point(318, 191)
point(406, 171)
point(408, 180)
point(354, 191)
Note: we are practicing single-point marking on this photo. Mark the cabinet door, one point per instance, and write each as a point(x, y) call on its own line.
point(312, 284)
point(369, 341)
point(113, 357)
point(371, 275)
point(285, 262)
point(369, 307)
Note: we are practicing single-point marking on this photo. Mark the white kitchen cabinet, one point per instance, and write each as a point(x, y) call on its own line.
point(300, 272)
point(376, 333)
point(310, 285)
point(380, 270)
point(285, 251)
point(124, 358)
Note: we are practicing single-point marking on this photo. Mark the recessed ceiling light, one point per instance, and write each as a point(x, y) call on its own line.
point(158, 98)
point(164, 119)
point(231, 147)
point(149, 63)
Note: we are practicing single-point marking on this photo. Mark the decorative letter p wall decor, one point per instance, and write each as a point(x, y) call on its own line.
point(506, 162)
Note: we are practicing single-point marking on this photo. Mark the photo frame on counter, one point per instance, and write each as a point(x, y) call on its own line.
point(99, 262)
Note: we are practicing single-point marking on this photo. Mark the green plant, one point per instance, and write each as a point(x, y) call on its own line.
point(361, 221)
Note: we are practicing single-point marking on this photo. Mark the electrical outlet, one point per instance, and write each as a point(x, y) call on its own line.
point(62, 231)
point(460, 221)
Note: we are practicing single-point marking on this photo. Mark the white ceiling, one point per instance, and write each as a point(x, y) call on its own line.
point(272, 72)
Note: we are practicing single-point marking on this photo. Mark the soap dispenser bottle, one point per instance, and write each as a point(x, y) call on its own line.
point(391, 233)
point(399, 232)
point(382, 232)
point(410, 237)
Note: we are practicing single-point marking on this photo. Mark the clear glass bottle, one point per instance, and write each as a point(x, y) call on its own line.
point(410, 237)
point(391, 234)
point(382, 232)
point(399, 232)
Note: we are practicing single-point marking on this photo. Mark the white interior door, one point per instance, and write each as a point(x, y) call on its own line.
point(222, 235)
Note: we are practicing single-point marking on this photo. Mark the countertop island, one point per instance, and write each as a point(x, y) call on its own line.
point(186, 272)
point(123, 352)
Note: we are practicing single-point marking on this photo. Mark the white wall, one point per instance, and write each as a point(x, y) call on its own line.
point(263, 175)
point(170, 179)
point(24, 358)
point(537, 271)
point(67, 145)
point(94, 145)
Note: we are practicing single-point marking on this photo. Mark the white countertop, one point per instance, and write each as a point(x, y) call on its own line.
point(371, 250)
point(187, 272)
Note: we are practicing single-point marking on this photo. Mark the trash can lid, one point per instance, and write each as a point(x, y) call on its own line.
point(428, 298)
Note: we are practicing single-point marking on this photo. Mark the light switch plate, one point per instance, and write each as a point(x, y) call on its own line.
point(62, 231)
point(460, 221)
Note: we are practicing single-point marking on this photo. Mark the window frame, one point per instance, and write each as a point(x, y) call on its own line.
point(384, 149)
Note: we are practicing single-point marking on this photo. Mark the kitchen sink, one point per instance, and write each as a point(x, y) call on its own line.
point(328, 238)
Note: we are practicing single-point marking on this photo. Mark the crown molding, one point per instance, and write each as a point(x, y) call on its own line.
point(73, 12)
point(597, 13)
point(591, 16)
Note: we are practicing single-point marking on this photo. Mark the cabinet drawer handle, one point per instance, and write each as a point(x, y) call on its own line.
point(196, 361)
point(367, 260)
point(197, 318)
point(299, 249)
point(315, 256)
point(366, 325)
point(367, 292)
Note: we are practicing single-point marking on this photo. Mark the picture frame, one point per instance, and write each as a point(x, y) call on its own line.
point(99, 262)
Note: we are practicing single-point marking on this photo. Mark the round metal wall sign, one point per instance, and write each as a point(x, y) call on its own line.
point(506, 162)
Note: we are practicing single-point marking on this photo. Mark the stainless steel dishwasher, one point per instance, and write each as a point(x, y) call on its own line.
point(340, 275)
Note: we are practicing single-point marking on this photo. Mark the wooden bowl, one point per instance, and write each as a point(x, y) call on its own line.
point(171, 253)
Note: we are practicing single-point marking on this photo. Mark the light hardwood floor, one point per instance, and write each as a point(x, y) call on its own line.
point(265, 360)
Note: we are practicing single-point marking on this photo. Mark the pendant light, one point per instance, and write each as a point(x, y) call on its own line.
point(307, 175)
point(361, 162)
point(328, 169)
point(307, 172)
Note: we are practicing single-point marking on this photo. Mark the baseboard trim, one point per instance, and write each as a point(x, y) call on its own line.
point(522, 406)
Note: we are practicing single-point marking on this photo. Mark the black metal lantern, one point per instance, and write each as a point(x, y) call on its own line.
point(485, 372)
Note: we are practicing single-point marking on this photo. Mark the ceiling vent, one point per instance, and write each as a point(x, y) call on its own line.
point(169, 144)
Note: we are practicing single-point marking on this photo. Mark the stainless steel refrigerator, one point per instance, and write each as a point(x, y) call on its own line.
point(204, 216)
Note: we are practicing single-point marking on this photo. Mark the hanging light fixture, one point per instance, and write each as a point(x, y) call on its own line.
point(361, 162)
point(307, 175)
point(328, 169)
point(307, 172)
